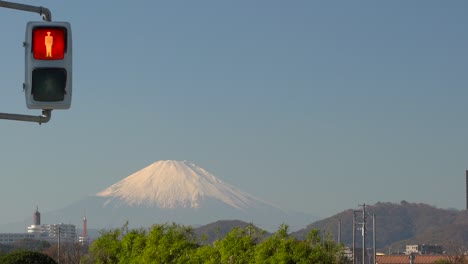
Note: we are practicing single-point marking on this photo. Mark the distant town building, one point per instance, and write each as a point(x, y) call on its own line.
point(10, 238)
point(66, 232)
point(424, 249)
point(47, 232)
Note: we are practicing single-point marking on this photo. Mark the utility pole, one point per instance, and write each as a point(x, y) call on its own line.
point(354, 237)
point(355, 223)
point(363, 233)
point(373, 239)
point(58, 246)
point(362, 225)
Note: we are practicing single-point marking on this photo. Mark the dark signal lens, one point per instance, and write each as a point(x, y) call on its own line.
point(48, 85)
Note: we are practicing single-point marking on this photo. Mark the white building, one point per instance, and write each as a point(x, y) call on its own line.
point(51, 233)
point(67, 232)
point(36, 229)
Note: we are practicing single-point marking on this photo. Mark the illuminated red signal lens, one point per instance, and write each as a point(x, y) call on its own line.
point(48, 43)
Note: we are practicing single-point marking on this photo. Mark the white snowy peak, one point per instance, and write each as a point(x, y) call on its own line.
point(174, 184)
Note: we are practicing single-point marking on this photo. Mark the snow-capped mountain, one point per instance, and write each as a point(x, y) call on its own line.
point(173, 191)
point(175, 184)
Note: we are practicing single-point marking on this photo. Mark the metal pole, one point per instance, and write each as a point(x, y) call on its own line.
point(44, 12)
point(411, 258)
point(363, 233)
point(466, 190)
point(373, 238)
point(44, 118)
point(354, 237)
point(58, 247)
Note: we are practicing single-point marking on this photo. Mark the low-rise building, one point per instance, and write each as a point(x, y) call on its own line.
point(10, 238)
point(49, 233)
point(424, 249)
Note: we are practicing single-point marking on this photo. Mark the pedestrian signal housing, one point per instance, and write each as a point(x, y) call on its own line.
point(48, 75)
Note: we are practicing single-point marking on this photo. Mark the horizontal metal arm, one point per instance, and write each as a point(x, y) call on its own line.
point(44, 12)
point(44, 118)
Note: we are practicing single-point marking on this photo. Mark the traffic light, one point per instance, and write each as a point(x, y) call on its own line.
point(48, 75)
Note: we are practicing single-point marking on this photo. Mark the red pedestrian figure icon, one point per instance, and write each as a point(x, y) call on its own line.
point(49, 41)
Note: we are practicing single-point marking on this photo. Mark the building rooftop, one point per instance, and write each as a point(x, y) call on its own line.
point(404, 259)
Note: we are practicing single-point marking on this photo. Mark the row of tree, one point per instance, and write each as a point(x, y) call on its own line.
point(70, 252)
point(178, 244)
point(26, 257)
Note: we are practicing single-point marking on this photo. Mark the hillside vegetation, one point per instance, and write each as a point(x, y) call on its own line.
point(400, 224)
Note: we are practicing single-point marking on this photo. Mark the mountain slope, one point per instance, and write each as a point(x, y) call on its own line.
point(401, 224)
point(173, 191)
point(175, 184)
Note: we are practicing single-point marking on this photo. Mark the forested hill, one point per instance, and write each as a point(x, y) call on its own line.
point(400, 224)
point(207, 234)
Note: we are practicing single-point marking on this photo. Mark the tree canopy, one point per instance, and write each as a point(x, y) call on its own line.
point(26, 257)
point(177, 244)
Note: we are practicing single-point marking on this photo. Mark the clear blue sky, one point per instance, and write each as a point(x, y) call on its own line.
point(315, 106)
